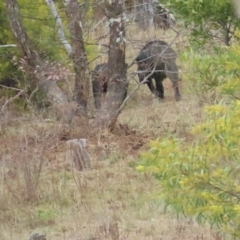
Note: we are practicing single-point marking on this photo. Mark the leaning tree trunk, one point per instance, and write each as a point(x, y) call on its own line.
point(78, 55)
point(36, 65)
point(117, 82)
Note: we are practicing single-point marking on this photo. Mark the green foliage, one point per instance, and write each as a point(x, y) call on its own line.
point(207, 68)
point(7, 67)
point(215, 71)
point(5, 33)
point(231, 85)
point(201, 179)
point(206, 17)
point(42, 29)
point(9, 74)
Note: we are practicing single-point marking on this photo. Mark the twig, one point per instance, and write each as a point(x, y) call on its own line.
point(11, 100)
point(12, 88)
point(135, 89)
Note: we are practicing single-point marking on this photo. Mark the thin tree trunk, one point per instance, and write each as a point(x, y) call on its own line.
point(37, 66)
point(61, 34)
point(117, 82)
point(78, 55)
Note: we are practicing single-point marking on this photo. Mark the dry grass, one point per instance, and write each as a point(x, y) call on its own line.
point(41, 192)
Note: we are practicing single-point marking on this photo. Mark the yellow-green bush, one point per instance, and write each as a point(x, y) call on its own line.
point(201, 179)
point(206, 70)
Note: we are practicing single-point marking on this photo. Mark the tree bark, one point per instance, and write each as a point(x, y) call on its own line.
point(117, 82)
point(36, 65)
point(78, 55)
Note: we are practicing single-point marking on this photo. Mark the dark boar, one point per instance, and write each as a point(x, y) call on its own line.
point(157, 60)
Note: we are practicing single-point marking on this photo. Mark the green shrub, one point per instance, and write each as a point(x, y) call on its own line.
point(201, 179)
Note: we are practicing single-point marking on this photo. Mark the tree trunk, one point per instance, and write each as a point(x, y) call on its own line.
point(117, 82)
point(37, 66)
point(78, 55)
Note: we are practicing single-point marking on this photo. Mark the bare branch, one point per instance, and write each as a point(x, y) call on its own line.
point(12, 88)
point(11, 100)
point(135, 89)
point(8, 45)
